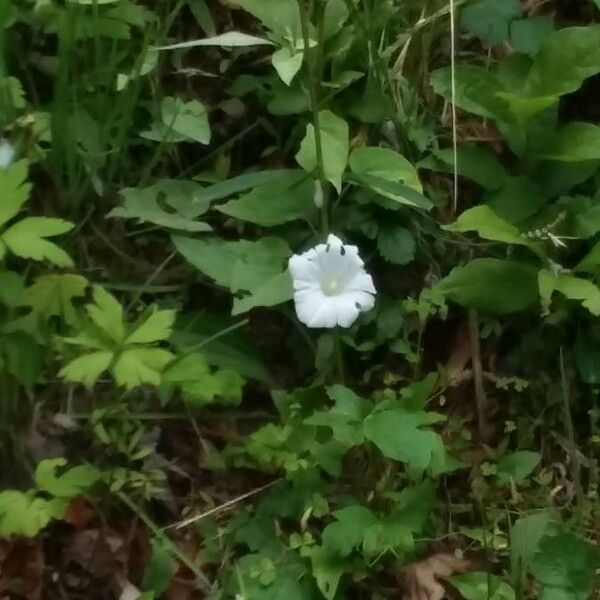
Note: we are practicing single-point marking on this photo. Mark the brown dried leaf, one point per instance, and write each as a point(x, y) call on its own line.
point(419, 580)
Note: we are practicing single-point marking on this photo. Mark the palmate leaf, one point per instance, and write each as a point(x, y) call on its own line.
point(70, 483)
point(156, 327)
point(87, 369)
point(25, 514)
point(14, 190)
point(138, 366)
point(107, 314)
point(53, 295)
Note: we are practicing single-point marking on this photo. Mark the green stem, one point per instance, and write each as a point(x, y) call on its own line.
point(570, 431)
point(339, 357)
point(314, 107)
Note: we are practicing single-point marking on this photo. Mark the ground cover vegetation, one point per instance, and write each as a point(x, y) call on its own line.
point(299, 299)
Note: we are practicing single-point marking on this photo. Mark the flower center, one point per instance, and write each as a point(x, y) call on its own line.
point(330, 287)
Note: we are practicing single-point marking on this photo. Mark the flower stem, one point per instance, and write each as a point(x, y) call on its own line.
point(312, 84)
point(339, 357)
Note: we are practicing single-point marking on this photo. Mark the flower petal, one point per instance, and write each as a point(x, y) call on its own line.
point(347, 310)
point(361, 282)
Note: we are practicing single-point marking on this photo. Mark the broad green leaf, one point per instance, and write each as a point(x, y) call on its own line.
point(396, 245)
point(183, 203)
point(489, 20)
point(571, 287)
point(14, 190)
point(517, 466)
point(492, 285)
point(334, 143)
point(345, 417)
point(160, 568)
point(230, 39)
point(26, 239)
point(398, 192)
point(348, 531)
point(327, 569)
point(488, 225)
point(202, 385)
point(478, 585)
point(575, 142)
point(87, 369)
point(275, 203)
point(23, 357)
point(475, 163)
point(518, 199)
point(244, 182)
point(179, 122)
point(25, 515)
point(399, 434)
point(53, 295)
point(155, 328)
point(107, 313)
point(271, 292)
point(287, 63)
point(12, 289)
point(72, 481)
point(565, 60)
point(282, 17)
point(525, 536)
point(565, 566)
point(138, 366)
point(527, 35)
point(384, 163)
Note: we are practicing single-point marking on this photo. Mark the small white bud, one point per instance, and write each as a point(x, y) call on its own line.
point(318, 195)
point(7, 154)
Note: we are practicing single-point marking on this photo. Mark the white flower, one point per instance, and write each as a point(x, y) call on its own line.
point(7, 154)
point(331, 286)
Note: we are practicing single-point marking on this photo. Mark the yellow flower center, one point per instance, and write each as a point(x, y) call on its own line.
point(330, 287)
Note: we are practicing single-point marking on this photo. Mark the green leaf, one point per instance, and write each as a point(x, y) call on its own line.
point(183, 202)
point(138, 366)
point(492, 285)
point(565, 566)
point(53, 295)
point(25, 515)
point(587, 357)
point(489, 19)
point(398, 192)
point(327, 569)
point(160, 568)
point(287, 63)
point(230, 39)
point(71, 483)
point(271, 292)
point(525, 536)
point(399, 434)
point(275, 203)
point(23, 357)
point(334, 143)
point(107, 314)
point(247, 181)
point(396, 245)
point(179, 122)
point(572, 287)
point(478, 585)
point(384, 163)
point(26, 239)
point(282, 17)
point(12, 289)
point(527, 35)
point(517, 466)
point(14, 190)
point(348, 531)
point(87, 369)
point(200, 385)
point(473, 162)
point(488, 225)
point(575, 142)
point(155, 328)
point(518, 199)
point(565, 60)
point(345, 418)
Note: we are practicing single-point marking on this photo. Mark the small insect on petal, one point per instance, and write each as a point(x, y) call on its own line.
point(331, 285)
